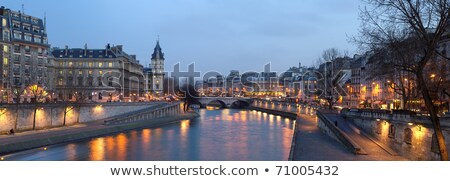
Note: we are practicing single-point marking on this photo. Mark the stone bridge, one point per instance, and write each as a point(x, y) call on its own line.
point(225, 102)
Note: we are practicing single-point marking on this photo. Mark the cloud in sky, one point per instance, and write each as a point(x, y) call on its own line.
point(215, 34)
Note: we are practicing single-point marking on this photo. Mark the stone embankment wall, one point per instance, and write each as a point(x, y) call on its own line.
point(410, 135)
point(52, 115)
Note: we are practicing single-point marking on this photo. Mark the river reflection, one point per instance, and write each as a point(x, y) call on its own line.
point(226, 134)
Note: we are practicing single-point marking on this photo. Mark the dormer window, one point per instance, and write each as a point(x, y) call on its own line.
point(15, 15)
point(16, 25)
point(35, 29)
point(35, 21)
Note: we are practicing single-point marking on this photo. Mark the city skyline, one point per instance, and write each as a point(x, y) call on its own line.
point(234, 35)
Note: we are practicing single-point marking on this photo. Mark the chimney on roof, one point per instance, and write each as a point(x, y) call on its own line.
point(107, 48)
point(85, 49)
point(66, 50)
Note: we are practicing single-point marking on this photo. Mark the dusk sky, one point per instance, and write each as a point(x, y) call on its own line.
point(218, 35)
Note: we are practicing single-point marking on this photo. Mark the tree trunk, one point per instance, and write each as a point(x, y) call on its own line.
point(65, 114)
point(17, 116)
point(34, 118)
point(433, 116)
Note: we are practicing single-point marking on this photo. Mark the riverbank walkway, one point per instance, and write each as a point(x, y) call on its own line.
point(82, 130)
point(313, 145)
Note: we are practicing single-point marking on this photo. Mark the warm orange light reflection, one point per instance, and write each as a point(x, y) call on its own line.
point(146, 137)
point(122, 141)
point(97, 149)
point(71, 151)
point(184, 127)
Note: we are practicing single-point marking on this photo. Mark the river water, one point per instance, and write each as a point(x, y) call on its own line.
point(223, 135)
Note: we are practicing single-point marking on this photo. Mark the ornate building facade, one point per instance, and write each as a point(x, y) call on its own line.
point(23, 55)
point(107, 74)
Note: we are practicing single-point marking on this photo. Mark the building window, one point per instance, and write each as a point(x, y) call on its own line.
point(61, 64)
point(35, 29)
point(5, 61)
point(90, 81)
point(100, 64)
point(407, 136)
point(100, 81)
point(26, 28)
point(90, 72)
point(70, 64)
point(90, 64)
point(37, 39)
point(6, 35)
point(28, 37)
point(16, 48)
point(60, 72)
point(16, 25)
point(17, 35)
point(60, 81)
point(69, 81)
point(27, 50)
point(70, 72)
point(5, 48)
point(110, 64)
point(80, 64)
point(80, 81)
point(391, 131)
point(100, 72)
point(80, 72)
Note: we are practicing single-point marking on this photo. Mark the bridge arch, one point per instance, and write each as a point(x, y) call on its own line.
point(239, 104)
point(216, 102)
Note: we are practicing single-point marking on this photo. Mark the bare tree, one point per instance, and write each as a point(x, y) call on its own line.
point(17, 91)
point(329, 83)
point(405, 25)
point(38, 94)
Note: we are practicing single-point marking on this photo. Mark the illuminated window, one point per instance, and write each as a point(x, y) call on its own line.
point(90, 72)
point(70, 64)
point(90, 64)
point(5, 48)
point(60, 72)
point(5, 61)
point(100, 72)
point(80, 72)
point(80, 64)
point(70, 72)
point(60, 81)
point(110, 64)
point(100, 64)
point(3, 22)
point(61, 64)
